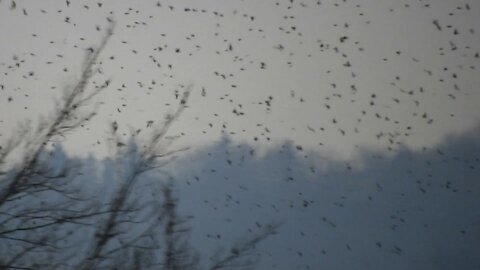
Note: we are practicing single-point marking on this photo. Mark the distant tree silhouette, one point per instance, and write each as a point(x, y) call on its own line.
point(48, 221)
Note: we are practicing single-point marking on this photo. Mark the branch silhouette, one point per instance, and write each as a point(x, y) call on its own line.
point(48, 219)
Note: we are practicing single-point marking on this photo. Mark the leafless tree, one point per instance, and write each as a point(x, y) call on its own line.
point(47, 221)
point(36, 196)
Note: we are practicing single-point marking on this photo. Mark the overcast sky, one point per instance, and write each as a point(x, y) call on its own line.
point(389, 73)
point(335, 78)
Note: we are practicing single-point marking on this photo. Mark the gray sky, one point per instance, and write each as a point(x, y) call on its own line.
point(390, 50)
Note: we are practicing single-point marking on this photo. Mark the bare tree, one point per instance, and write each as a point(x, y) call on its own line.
point(178, 254)
point(47, 221)
point(241, 255)
point(36, 196)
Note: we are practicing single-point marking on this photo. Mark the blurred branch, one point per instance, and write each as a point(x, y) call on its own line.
point(46, 222)
point(178, 254)
point(37, 197)
point(66, 119)
point(240, 255)
point(132, 163)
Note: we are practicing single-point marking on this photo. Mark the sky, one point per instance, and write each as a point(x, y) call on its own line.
point(341, 80)
point(322, 63)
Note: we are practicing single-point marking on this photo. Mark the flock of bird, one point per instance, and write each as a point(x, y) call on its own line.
point(321, 75)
